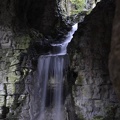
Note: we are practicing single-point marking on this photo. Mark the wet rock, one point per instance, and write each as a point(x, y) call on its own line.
point(89, 53)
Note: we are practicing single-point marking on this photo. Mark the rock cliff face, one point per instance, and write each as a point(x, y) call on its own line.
point(114, 61)
point(24, 26)
point(26, 29)
point(93, 92)
point(16, 20)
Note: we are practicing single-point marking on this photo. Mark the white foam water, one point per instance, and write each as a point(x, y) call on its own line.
point(50, 72)
point(60, 48)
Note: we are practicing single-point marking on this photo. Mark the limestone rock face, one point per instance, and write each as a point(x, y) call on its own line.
point(18, 21)
point(114, 62)
point(93, 93)
point(13, 49)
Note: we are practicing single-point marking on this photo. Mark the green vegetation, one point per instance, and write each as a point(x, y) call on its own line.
point(22, 41)
point(98, 118)
point(81, 117)
point(78, 6)
point(79, 80)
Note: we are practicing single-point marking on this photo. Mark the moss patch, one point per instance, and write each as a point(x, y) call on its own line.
point(98, 118)
point(22, 42)
point(81, 117)
point(79, 80)
point(78, 6)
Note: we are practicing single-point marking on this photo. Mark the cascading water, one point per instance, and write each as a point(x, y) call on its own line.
point(48, 85)
point(61, 48)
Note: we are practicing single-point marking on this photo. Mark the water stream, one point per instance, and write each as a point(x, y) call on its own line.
point(47, 97)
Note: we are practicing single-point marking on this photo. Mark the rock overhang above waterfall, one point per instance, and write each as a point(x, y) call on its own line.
point(74, 11)
point(50, 17)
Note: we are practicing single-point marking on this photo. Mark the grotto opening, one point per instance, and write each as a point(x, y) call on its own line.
point(33, 51)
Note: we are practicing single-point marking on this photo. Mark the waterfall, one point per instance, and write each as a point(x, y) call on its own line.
point(48, 86)
point(60, 48)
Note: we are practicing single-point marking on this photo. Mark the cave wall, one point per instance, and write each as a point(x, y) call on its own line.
point(13, 69)
point(93, 92)
point(16, 33)
point(13, 58)
point(114, 59)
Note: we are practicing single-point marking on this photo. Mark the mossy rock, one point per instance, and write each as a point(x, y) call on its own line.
point(78, 5)
point(79, 80)
point(98, 118)
point(22, 42)
point(79, 116)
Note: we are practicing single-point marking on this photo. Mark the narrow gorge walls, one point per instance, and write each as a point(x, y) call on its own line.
point(93, 92)
point(114, 61)
point(28, 27)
